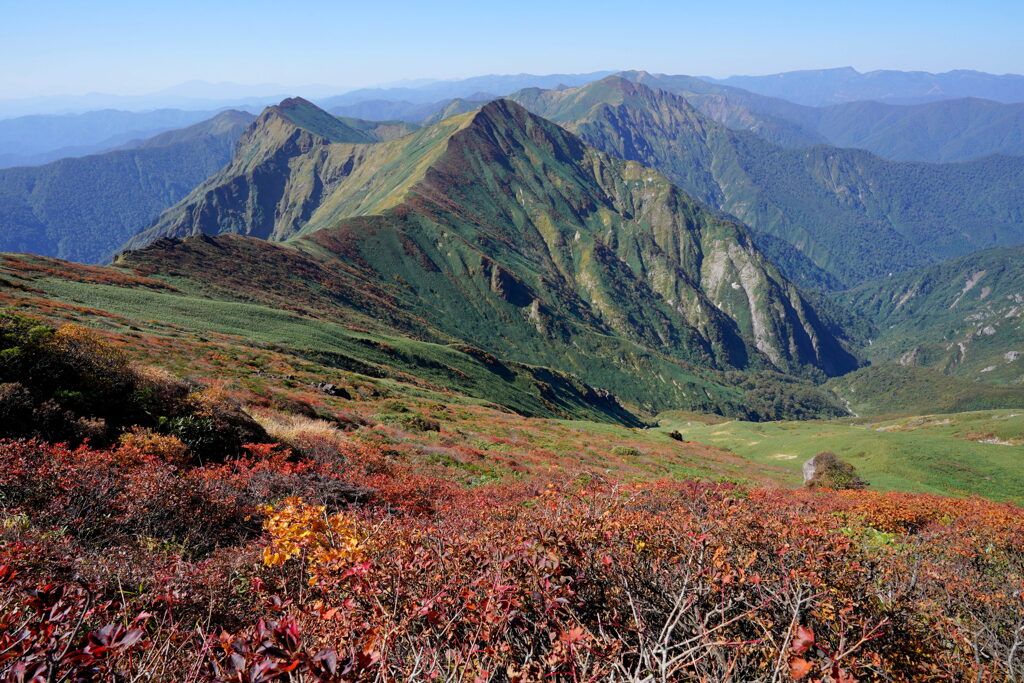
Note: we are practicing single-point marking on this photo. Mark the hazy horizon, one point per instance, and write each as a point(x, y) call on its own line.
point(257, 89)
point(114, 47)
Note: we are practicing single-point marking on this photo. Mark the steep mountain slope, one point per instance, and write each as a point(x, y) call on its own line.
point(500, 220)
point(944, 131)
point(963, 317)
point(82, 209)
point(776, 120)
point(821, 87)
point(853, 215)
point(371, 355)
point(287, 178)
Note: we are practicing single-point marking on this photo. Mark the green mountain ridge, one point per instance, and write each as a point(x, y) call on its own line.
point(777, 120)
point(498, 219)
point(949, 130)
point(963, 317)
point(326, 179)
point(945, 131)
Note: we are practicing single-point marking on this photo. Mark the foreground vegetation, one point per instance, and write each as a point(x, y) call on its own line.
point(351, 566)
point(389, 526)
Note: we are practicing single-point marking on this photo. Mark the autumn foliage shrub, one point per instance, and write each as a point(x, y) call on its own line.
point(57, 381)
point(108, 496)
point(165, 447)
point(275, 567)
point(67, 385)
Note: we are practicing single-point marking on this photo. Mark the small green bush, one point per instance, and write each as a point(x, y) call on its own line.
point(420, 423)
point(827, 471)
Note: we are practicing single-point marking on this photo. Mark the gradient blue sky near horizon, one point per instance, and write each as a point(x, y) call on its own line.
point(50, 47)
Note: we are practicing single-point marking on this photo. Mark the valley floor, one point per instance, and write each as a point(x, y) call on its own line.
point(962, 454)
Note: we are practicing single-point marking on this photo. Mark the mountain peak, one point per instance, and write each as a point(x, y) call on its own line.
point(302, 114)
point(295, 103)
point(501, 109)
point(633, 74)
point(503, 126)
point(567, 106)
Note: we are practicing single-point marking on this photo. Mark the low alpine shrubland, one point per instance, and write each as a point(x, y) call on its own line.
point(121, 564)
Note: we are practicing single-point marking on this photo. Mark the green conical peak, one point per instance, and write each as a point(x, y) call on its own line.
point(306, 116)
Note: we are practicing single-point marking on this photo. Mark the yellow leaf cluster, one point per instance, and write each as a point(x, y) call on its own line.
point(297, 529)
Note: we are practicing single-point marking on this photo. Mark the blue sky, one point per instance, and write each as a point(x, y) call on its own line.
point(115, 46)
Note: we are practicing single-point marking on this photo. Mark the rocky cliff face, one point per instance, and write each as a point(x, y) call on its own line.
point(845, 215)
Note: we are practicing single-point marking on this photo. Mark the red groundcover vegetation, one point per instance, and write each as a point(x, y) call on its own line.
point(123, 564)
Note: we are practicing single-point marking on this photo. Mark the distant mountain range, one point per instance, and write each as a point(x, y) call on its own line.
point(84, 208)
point(821, 87)
point(469, 88)
point(949, 130)
point(35, 140)
point(944, 131)
point(201, 95)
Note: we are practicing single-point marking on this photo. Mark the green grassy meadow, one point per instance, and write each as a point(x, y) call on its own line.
point(940, 454)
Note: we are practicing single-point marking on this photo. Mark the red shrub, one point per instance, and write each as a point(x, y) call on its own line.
point(564, 580)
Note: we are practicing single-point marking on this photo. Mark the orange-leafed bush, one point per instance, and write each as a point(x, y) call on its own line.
point(166, 447)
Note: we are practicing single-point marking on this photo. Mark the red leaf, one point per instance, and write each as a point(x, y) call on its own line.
point(802, 640)
point(799, 667)
point(131, 637)
point(842, 676)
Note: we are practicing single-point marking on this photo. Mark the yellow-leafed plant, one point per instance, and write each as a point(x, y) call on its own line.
point(327, 543)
